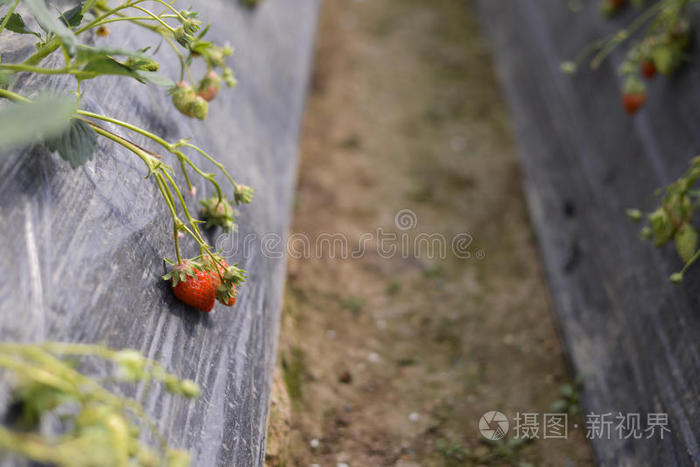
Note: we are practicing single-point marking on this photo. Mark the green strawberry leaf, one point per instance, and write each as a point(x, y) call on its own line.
point(72, 17)
point(87, 52)
point(155, 78)
point(50, 23)
point(103, 65)
point(16, 24)
point(76, 145)
point(45, 117)
point(98, 65)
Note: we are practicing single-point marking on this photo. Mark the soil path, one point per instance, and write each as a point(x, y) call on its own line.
point(392, 361)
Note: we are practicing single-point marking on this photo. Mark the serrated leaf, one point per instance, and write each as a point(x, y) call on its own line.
point(87, 53)
point(72, 17)
point(106, 66)
point(155, 78)
point(17, 24)
point(46, 116)
point(76, 145)
point(50, 23)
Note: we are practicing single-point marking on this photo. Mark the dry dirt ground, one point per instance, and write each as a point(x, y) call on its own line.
point(392, 361)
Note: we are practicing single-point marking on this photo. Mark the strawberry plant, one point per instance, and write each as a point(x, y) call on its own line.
point(63, 126)
point(98, 426)
point(660, 49)
point(672, 219)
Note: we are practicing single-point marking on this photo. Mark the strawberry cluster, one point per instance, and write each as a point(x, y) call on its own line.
point(672, 220)
point(662, 49)
point(192, 101)
point(199, 283)
point(661, 53)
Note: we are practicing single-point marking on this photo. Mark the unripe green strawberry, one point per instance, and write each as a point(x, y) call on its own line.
point(182, 96)
point(661, 226)
point(229, 78)
point(199, 108)
point(243, 194)
point(188, 102)
point(686, 242)
point(178, 458)
point(218, 212)
point(190, 389)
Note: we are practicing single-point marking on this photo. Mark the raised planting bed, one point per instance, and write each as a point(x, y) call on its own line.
point(631, 334)
point(81, 250)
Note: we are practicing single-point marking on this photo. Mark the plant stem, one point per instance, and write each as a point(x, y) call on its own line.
point(19, 67)
point(155, 17)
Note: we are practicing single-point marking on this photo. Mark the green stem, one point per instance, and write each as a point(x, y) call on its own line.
point(171, 148)
point(13, 96)
point(128, 126)
point(43, 52)
point(190, 219)
point(155, 17)
point(176, 240)
point(18, 67)
point(218, 164)
point(171, 8)
point(623, 35)
point(148, 159)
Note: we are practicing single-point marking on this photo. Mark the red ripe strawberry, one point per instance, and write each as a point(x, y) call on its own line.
point(197, 292)
point(632, 102)
point(226, 292)
point(228, 296)
point(192, 286)
point(222, 266)
point(648, 69)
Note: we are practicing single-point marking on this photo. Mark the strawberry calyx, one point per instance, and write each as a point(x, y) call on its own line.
point(181, 271)
point(226, 278)
point(226, 293)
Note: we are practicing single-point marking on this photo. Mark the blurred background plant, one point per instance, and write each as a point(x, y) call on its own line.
point(661, 46)
point(90, 424)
